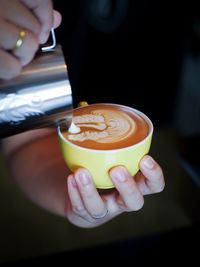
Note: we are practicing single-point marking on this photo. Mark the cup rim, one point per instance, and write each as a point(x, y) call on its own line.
point(149, 122)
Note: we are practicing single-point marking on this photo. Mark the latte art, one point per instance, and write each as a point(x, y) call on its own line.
point(103, 126)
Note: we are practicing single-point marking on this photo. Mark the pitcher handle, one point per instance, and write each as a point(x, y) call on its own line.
point(53, 45)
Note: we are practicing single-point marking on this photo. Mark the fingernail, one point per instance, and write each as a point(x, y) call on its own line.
point(148, 162)
point(119, 174)
point(73, 182)
point(83, 178)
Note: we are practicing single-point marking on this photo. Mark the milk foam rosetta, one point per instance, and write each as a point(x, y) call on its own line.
point(104, 126)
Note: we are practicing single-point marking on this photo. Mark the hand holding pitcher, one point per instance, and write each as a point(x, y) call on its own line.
point(24, 25)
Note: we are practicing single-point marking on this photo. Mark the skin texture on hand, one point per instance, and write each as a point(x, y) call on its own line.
point(40, 171)
point(36, 18)
point(86, 203)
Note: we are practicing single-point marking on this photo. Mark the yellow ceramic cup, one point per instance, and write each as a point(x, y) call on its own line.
point(99, 162)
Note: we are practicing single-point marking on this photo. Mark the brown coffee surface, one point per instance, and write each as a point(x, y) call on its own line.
point(107, 127)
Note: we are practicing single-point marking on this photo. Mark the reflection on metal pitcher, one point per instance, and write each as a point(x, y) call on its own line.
point(40, 96)
point(16, 108)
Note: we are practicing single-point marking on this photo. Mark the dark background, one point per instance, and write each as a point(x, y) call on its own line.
point(136, 63)
point(144, 54)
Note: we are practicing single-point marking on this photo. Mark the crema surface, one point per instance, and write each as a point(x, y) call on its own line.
point(104, 126)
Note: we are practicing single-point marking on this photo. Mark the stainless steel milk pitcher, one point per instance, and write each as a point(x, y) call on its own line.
point(40, 96)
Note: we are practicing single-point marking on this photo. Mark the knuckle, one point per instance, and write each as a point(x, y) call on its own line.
point(161, 187)
point(79, 210)
point(36, 27)
point(90, 195)
point(11, 71)
point(33, 42)
point(159, 173)
point(139, 205)
point(136, 205)
point(159, 182)
point(15, 71)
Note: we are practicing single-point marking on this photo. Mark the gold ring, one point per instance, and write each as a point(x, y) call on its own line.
point(19, 41)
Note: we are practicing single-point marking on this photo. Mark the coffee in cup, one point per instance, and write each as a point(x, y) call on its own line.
point(109, 135)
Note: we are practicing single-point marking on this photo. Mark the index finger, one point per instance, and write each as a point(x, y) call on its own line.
point(43, 10)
